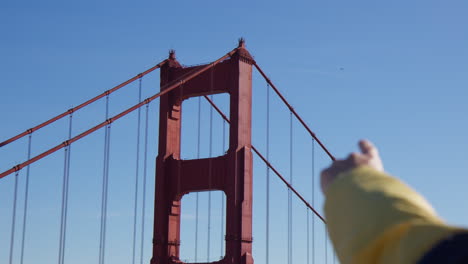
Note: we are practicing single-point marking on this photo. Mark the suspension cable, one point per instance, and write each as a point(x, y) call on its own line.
point(313, 200)
point(106, 193)
point(308, 237)
point(52, 120)
point(13, 218)
point(105, 176)
point(137, 165)
point(65, 165)
point(267, 225)
point(209, 184)
point(197, 193)
point(222, 195)
point(26, 198)
point(271, 166)
point(210, 169)
point(145, 170)
point(293, 111)
point(326, 245)
point(103, 183)
point(65, 188)
point(164, 90)
point(290, 215)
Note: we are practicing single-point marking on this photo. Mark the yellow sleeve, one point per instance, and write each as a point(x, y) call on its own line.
point(375, 218)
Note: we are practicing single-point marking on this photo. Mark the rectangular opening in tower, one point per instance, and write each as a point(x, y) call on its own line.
point(204, 133)
point(203, 227)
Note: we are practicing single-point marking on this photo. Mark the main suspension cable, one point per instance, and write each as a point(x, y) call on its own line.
point(270, 166)
point(52, 120)
point(164, 90)
point(137, 165)
point(26, 199)
point(293, 111)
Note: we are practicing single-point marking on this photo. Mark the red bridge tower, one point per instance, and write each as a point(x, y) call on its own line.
point(230, 173)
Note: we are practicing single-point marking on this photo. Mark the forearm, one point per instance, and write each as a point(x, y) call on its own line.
point(375, 218)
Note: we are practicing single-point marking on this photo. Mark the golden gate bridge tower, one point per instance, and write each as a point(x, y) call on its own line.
point(230, 173)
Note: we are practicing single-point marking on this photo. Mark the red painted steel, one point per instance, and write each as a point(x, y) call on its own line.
point(230, 173)
point(293, 111)
point(167, 88)
point(271, 166)
point(74, 109)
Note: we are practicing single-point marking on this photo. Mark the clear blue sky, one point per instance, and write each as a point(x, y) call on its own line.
point(394, 72)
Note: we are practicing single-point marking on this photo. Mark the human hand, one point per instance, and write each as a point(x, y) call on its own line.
point(369, 156)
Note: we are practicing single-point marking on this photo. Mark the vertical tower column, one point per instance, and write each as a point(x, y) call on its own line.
point(231, 173)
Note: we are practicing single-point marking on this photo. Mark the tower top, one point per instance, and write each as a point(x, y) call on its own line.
point(243, 53)
point(241, 43)
point(172, 54)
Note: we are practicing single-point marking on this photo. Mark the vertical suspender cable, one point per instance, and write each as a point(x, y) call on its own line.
point(308, 238)
point(210, 170)
point(209, 183)
point(267, 225)
point(290, 236)
point(105, 175)
point(13, 218)
point(26, 198)
point(222, 195)
point(326, 244)
point(313, 200)
point(106, 194)
point(197, 193)
point(62, 209)
point(103, 184)
point(65, 187)
point(145, 169)
point(137, 166)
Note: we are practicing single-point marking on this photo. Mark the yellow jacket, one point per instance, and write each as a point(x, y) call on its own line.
point(375, 218)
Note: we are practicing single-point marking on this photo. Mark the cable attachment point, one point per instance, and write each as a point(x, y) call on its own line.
point(71, 110)
point(17, 167)
point(107, 92)
point(147, 101)
point(140, 75)
point(109, 121)
point(66, 143)
point(30, 131)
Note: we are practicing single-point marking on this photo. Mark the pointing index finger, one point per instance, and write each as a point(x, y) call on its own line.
point(368, 148)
